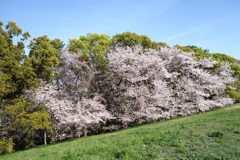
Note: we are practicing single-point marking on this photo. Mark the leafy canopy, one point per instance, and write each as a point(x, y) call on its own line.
point(19, 72)
point(44, 56)
point(132, 39)
point(93, 48)
point(22, 115)
point(16, 72)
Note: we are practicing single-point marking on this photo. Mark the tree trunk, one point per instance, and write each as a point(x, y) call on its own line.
point(45, 137)
point(9, 146)
point(84, 133)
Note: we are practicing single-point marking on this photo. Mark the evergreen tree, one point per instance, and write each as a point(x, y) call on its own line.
point(43, 56)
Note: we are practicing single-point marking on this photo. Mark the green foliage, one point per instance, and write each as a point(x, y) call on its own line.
point(93, 48)
point(44, 56)
point(19, 72)
point(200, 54)
point(36, 120)
point(16, 106)
point(21, 113)
point(127, 39)
point(154, 45)
point(13, 29)
point(6, 146)
point(233, 94)
point(183, 48)
point(145, 41)
point(223, 58)
point(25, 35)
point(236, 71)
point(162, 44)
point(57, 44)
point(132, 39)
point(16, 71)
point(157, 45)
point(195, 47)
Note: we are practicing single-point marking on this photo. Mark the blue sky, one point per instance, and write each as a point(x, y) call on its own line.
point(210, 24)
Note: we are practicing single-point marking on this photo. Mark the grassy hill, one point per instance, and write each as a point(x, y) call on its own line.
point(210, 135)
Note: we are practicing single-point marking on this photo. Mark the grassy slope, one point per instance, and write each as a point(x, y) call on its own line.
point(180, 138)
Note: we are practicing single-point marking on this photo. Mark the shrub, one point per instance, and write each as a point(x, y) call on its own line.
point(233, 94)
point(6, 146)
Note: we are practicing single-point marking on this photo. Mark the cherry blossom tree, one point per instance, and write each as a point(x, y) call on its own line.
point(152, 85)
point(138, 86)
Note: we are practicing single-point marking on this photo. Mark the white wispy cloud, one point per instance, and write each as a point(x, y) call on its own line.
point(179, 35)
point(202, 28)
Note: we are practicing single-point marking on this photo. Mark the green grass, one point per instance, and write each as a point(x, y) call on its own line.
point(211, 135)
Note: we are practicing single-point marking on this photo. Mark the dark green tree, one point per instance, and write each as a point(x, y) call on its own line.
point(21, 114)
point(57, 44)
point(16, 72)
point(43, 56)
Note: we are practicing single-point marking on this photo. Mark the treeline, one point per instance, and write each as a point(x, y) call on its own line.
point(100, 83)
